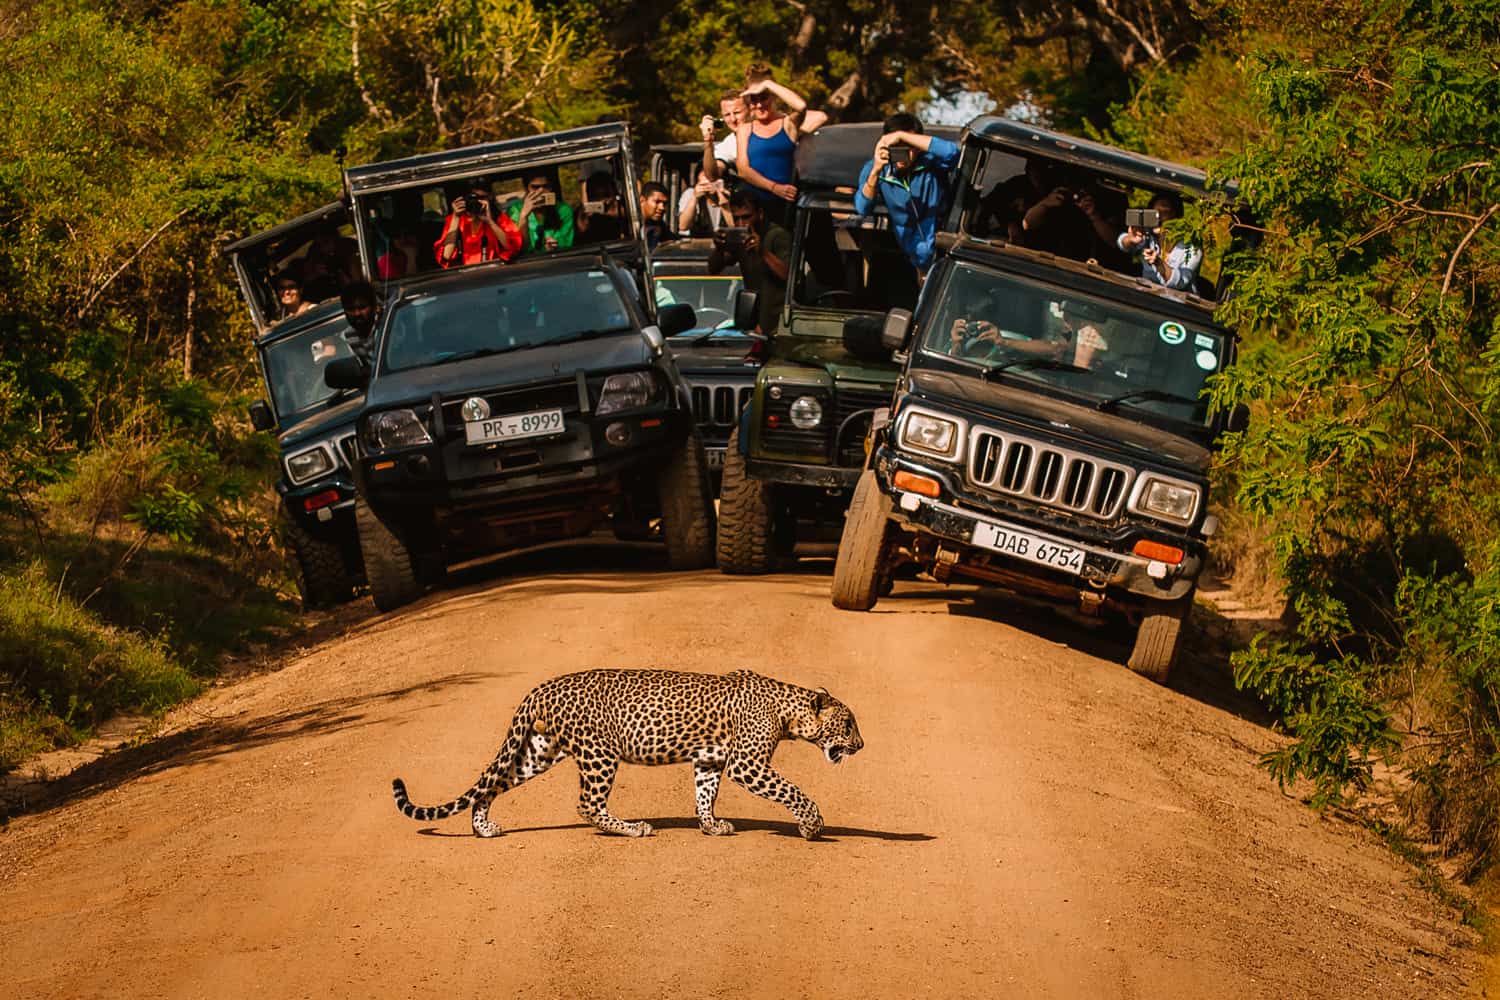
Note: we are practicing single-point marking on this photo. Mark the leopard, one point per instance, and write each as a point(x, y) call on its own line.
point(723, 724)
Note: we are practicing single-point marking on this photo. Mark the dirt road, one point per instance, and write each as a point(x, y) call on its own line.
point(1026, 820)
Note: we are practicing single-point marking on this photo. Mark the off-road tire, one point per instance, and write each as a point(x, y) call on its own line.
point(687, 507)
point(745, 542)
point(857, 570)
point(1158, 639)
point(389, 566)
point(322, 577)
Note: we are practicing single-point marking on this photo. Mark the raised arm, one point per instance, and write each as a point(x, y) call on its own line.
point(796, 107)
point(710, 161)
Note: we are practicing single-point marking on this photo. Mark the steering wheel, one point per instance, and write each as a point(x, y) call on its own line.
point(835, 298)
point(709, 318)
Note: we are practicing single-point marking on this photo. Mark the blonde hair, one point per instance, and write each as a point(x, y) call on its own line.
point(756, 72)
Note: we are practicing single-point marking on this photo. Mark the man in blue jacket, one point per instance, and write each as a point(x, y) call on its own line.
point(912, 174)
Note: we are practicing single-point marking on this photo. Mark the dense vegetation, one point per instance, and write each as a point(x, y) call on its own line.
point(139, 137)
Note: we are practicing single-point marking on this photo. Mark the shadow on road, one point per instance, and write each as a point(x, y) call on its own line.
point(780, 828)
point(203, 743)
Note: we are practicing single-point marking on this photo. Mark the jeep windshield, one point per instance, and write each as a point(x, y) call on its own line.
point(1117, 357)
point(445, 325)
point(294, 366)
point(711, 296)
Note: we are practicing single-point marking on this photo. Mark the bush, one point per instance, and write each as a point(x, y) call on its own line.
point(62, 670)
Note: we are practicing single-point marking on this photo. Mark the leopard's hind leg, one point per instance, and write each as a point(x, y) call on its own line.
point(596, 777)
point(537, 755)
point(708, 767)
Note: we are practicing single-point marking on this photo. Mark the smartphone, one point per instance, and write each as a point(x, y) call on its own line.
point(1142, 218)
point(734, 237)
point(596, 207)
point(546, 198)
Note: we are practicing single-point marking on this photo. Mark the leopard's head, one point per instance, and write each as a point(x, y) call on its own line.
point(826, 721)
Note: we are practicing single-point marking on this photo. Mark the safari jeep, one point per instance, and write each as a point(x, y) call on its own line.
point(508, 405)
point(1048, 433)
point(798, 447)
point(314, 423)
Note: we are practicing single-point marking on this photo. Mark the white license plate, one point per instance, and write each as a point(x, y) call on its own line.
point(1029, 547)
point(514, 425)
point(715, 457)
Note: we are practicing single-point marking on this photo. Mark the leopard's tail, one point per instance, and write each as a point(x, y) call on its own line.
point(503, 764)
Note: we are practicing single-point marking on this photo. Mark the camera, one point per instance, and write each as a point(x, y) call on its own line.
point(474, 204)
point(901, 155)
point(734, 237)
point(1142, 218)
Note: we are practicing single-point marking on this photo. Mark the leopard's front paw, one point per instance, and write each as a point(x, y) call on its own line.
point(639, 830)
point(811, 826)
point(718, 828)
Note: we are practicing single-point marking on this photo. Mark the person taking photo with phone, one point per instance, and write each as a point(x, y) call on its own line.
point(762, 249)
point(474, 232)
point(1166, 263)
point(912, 175)
point(702, 207)
point(546, 224)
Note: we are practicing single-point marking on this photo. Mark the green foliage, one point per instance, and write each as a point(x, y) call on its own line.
point(62, 670)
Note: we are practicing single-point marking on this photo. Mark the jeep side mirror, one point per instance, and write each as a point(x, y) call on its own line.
point(261, 417)
point(746, 311)
point(346, 373)
point(676, 318)
point(654, 340)
point(897, 326)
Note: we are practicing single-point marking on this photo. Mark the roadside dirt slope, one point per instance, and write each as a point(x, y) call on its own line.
point(1026, 820)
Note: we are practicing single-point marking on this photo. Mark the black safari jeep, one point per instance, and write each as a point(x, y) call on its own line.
point(314, 423)
point(513, 404)
point(798, 447)
point(1048, 433)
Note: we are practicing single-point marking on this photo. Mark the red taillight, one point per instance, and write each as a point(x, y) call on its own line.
point(772, 420)
point(320, 500)
point(1148, 549)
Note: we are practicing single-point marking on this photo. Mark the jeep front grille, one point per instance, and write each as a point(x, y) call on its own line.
point(859, 404)
point(349, 450)
point(1055, 477)
point(719, 405)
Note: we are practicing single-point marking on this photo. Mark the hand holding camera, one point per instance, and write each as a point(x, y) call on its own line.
point(900, 155)
point(706, 126)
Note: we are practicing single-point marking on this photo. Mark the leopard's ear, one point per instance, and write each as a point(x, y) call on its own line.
point(820, 699)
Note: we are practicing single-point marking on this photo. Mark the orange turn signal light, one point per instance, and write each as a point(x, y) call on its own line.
point(653, 422)
point(382, 466)
point(925, 485)
point(1148, 549)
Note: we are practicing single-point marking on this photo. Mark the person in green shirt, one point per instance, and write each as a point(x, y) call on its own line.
point(546, 222)
point(763, 251)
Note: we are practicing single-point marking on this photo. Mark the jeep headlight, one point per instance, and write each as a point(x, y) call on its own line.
point(1164, 498)
point(308, 464)
point(398, 429)
point(929, 433)
point(806, 413)
point(626, 391)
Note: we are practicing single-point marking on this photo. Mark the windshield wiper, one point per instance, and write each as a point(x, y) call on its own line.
point(481, 352)
point(588, 335)
point(725, 331)
point(1144, 395)
point(1048, 363)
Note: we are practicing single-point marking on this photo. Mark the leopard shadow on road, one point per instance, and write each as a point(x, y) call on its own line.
point(778, 827)
point(205, 742)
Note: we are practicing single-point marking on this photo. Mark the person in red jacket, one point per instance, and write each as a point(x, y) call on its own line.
point(475, 232)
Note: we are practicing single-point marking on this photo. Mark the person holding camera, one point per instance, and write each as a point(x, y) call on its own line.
point(1172, 264)
point(762, 250)
point(474, 232)
point(912, 174)
point(700, 210)
point(600, 217)
point(718, 156)
point(545, 223)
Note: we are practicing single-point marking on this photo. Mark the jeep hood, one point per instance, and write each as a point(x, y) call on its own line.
point(533, 364)
point(832, 357)
point(322, 422)
point(1084, 423)
point(717, 355)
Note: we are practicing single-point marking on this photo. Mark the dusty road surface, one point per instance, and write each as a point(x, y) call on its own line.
point(1027, 819)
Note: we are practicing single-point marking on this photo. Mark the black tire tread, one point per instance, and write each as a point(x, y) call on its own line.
point(687, 508)
point(1158, 640)
point(857, 570)
point(389, 566)
point(745, 544)
point(322, 578)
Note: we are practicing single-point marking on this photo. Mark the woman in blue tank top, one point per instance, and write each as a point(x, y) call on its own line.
point(768, 138)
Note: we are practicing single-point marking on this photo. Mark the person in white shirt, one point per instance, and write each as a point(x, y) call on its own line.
point(701, 208)
point(718, 156)
point(1173, 265)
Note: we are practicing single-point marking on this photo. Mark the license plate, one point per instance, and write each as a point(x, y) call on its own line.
point(1029, 547)
point(715, 457)
point(514, 425)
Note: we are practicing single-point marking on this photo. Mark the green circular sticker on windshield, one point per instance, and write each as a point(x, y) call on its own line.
point(1172, 333)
